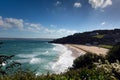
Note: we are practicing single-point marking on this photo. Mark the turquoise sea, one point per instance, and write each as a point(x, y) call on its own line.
point(38, 55)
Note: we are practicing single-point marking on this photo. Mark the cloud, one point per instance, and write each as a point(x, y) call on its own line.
point(77, 5)
point(100, 3)
point(57, 3)
point(36, 26)
point(107, 3)
point(49, 31)
point(11, 22)
point(103, 23)
point(67, 32)
point(53, 26)
point(33, 27)
point(1, 21)
point(59, 31)
point(7, 23)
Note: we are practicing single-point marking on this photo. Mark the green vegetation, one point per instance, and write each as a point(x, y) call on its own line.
point(80, 74)
point(85, 67)
point(106, 46)
point(99, 36)
point(86, 60)
point(114, 53)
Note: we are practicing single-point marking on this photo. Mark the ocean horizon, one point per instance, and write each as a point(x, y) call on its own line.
point(39, 55)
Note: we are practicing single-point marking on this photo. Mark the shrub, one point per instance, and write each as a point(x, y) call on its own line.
point(86, 60)
point(114, 53)
point(112, 69)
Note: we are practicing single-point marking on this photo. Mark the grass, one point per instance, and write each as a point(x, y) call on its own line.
point(99, 36)
point(106, 46)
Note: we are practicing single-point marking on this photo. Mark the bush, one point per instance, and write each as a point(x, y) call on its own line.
point(86, 60)
point(114, 53)
point(112, 69)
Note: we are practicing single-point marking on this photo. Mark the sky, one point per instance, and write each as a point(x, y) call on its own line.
point(56, 18)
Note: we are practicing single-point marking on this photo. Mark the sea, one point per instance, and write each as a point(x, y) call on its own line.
point(38, 55)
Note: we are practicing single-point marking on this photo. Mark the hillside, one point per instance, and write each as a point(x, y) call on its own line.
point(108, 37)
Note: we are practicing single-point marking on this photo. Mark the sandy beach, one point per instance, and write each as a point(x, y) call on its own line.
point(83, 49)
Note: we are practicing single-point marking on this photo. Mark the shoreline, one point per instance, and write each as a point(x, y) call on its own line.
point(75, 51)
point(78, 50)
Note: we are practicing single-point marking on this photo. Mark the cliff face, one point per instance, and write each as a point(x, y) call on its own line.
point(94, 37)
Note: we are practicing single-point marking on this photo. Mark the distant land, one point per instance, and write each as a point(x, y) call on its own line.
point(96, 37)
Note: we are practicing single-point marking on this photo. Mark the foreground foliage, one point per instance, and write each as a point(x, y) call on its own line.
point(86, 60)
point(111, 68)
point(114, 53)
point(79, 74)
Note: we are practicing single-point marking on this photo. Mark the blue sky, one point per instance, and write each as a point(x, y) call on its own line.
point(56, 18)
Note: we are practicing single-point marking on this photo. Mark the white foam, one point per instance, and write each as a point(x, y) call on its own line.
point(65, 59)
point(22, 60)
point(3, 64)
point(35, 61)
point(30, 60)
point(58, 47)
point(46, 52)
point(26, 55)
point(34, 54)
